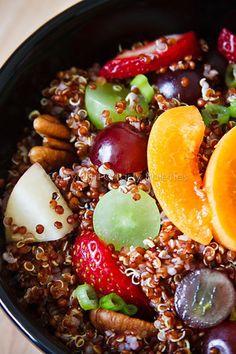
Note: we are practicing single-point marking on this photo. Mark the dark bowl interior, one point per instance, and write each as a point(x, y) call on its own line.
point(86, 33)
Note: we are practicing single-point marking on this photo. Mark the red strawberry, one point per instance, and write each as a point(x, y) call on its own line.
point(94, 264)
point(227, 45)
point(151, 57)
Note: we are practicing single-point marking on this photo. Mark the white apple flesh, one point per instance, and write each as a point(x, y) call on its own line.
point(29, 206)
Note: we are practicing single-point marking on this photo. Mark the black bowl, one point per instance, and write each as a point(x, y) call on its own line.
point(86, 33)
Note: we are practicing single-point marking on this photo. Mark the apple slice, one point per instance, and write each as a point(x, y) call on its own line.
point(29, 213)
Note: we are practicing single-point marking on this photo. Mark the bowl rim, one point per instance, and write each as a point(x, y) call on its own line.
point(39, 339)
point(10, 65)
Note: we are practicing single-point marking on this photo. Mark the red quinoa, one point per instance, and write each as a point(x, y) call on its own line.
point(42, 273)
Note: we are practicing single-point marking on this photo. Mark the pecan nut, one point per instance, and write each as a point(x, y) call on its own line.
point(109, 320)
point(57, 144)
point(49, 118)
point(50, 159)
point(49, 126)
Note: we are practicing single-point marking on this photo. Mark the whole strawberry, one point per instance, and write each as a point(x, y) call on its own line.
point(94, 264)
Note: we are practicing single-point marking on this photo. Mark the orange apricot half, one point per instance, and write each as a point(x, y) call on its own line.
point(220, 185)
point(173, 149)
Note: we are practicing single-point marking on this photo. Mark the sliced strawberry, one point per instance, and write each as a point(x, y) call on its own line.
point(151, 56)
point(94, 264)
point(227, 45)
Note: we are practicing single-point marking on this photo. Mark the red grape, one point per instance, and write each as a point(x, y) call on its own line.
point(123, 146)
point(221, 337)
point(181, 84)
point(204, 298)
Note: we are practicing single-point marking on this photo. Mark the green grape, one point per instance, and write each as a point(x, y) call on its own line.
point(104, 98)
point(123, 221)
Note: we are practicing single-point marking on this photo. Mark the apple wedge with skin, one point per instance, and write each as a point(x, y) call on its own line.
point(29, 208)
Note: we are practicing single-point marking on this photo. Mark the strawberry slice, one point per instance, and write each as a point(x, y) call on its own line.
point(152, 56)
point(227, 45)
point(94, 264)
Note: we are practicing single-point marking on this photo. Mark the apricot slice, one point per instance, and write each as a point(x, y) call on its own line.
point(220, 184)
point(173, 167)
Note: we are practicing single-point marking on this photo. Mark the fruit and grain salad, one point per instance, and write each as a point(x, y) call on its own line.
point(120, 203)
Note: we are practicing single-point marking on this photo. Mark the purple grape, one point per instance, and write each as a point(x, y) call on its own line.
point(217, 62)
point(204, 298)
point(181, 84)
point(222, 338)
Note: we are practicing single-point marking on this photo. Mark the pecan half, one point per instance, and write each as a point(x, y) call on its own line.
point(109, 320)
point(50, 159)
point(49, 118)
point(57, 144)
point(50, 126)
